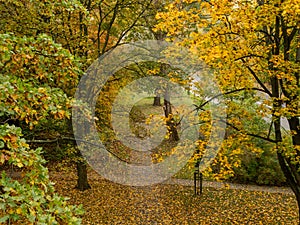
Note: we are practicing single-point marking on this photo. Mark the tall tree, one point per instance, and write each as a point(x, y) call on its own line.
point(253, 47)
point(87, 28)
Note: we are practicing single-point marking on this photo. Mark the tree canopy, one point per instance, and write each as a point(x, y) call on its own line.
point(253, 47)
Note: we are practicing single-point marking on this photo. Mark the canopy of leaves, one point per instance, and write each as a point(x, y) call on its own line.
point(36, 77)
point(251, 46)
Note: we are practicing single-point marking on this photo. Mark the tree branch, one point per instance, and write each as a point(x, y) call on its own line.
point(75, 140)
point(249, 134)
point(257, 79)
point(226, 93)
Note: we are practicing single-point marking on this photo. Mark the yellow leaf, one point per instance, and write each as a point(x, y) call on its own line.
point(19, 211)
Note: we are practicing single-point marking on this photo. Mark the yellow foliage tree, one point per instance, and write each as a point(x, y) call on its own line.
point(86, 28)
point(253, 46)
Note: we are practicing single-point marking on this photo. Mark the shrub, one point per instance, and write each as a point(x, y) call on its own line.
point(31, 198)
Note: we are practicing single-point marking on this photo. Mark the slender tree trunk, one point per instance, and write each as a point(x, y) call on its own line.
point(82, 178)
point(171, 126)
point(291, 179)
point(289, 170)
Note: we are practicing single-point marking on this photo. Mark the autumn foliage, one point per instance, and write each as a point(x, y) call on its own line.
point(254, 48)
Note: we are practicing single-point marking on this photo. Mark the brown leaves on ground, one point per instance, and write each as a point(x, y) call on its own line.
point(110, 203)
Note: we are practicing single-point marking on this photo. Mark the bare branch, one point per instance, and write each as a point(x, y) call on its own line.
point(266, 90)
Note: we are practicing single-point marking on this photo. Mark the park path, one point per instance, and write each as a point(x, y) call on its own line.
point(143, 158)
point(211, 184)
point(220, 185)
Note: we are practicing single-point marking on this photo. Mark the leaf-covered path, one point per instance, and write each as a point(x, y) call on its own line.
point(110, 203)
point(220, 185)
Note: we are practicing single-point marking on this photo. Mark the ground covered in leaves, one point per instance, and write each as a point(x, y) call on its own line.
point(110, 203)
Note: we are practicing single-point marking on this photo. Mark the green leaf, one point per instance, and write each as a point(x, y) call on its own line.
point(4, 219)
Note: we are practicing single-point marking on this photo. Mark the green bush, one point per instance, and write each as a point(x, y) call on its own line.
point(261, 169)
point(30, 198)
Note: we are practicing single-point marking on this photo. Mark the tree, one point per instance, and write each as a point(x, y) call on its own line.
point(34, 18)
point(31, 93)
point(87, 29)
point(108, 24)
point(253, 47)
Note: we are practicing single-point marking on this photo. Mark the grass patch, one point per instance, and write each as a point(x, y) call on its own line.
point(142, 109)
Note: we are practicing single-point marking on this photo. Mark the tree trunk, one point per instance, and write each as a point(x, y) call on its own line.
point(291, 180)
point(171, 126)
point(82, 180)
point(289, 170)
point(294, 168)
point(156, 101)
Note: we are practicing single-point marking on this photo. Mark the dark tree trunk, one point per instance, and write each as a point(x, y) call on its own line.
point(171, 126)
point(290, 177)
point(289, 169)
point(294, 168)
point(82, 180)
point(156, 101)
